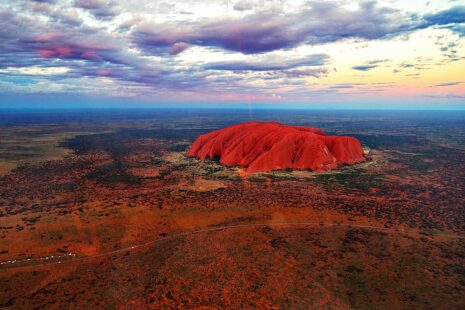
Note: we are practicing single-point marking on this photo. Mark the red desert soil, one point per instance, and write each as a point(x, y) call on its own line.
point(267, 146)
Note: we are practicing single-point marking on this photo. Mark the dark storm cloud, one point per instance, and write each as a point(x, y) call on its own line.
point(267, 65)
point(268, 31)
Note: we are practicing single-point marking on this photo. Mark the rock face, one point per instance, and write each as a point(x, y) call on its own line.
point(266, 146)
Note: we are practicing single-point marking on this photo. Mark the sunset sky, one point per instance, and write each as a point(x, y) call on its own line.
point(277, 53)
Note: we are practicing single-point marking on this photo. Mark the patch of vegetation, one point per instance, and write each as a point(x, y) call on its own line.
point(113, 173)
point(356, 179)
point(389, 141)
point(157, 162)
point(178, 147)
point(114, 142)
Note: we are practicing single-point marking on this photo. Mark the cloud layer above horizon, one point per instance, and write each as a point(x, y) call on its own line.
point(277, 51)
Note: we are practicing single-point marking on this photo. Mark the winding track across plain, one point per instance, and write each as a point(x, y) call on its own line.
point(212, 229)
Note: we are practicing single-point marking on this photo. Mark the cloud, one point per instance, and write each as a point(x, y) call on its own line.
point(143, 50)
point(243, 5)
point(298, 73)
point(370, 65)
point(99, 8)
point(450, 16)
point(458, 28)
point(90, 4)
point(266, 31)
point(453, 19)
point(344, 86)
point(448, 84)
point(179, 47)
point(37, 41)
point(364, 68)
point(255, 34)
point(268, 64)
point(316, 23)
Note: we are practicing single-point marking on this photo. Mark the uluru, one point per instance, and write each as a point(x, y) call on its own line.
point(267, 146)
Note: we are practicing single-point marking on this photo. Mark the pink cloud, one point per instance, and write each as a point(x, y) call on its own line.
point(104, 72)
point(89, 54)
point(63, 51)
point(179, 47)
point(46, 53)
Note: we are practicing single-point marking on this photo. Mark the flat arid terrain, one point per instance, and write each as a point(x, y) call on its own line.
point(104, 209)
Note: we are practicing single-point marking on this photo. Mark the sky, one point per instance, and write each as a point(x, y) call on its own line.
point(276, 53)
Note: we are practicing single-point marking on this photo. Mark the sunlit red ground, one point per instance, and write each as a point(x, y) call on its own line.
point(131, 222)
